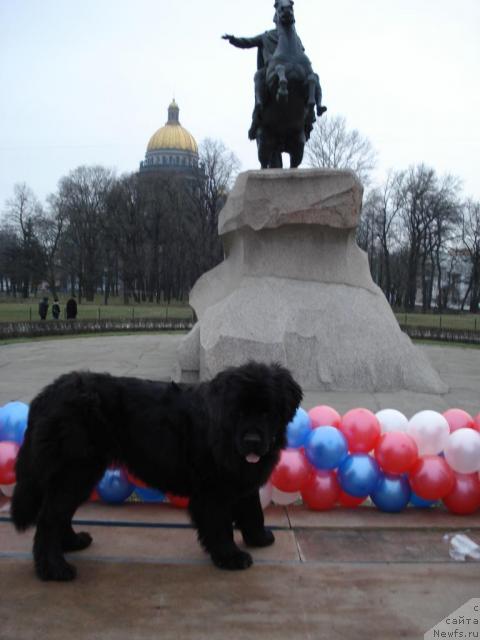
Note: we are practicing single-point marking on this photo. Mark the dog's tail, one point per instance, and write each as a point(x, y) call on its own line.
point(26, 503)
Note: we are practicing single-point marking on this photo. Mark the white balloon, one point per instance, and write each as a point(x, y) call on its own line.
point(266, 494)
point(7, 489)
point(462, 451)
point(283, 498)
point(430, 430)
point(391, 420)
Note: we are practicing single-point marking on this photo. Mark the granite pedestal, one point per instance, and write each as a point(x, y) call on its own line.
point(295, 288)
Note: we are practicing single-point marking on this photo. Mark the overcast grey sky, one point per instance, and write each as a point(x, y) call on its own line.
point(89, 82)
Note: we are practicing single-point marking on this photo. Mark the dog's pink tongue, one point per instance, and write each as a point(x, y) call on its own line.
point(253, 458)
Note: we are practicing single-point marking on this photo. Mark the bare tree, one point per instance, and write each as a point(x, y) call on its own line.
point(23, 211)
point(10, 260)
point(50, 226)
point(446, 217)
point(379, 227)
point(124, 232)
point(218, 169)
point(415, 191)
point(331, 144)
point(82, 199)
point(471, 242)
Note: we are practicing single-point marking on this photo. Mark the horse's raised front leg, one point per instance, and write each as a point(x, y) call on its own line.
point(282, 91)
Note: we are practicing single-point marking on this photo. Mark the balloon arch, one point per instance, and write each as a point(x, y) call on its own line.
point(331, 461)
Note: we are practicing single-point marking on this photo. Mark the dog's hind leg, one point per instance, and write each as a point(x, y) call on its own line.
point(54, 533)
point(50, 563)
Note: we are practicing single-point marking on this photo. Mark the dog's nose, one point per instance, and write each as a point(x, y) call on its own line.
point(252, 438)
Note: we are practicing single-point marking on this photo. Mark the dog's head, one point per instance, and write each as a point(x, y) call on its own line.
point(254, 404)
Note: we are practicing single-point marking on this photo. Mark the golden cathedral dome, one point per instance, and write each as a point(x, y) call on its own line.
point(172, 135)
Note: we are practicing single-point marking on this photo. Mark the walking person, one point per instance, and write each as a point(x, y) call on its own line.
point(56, 309)
point(43, 309)
point(71, 308)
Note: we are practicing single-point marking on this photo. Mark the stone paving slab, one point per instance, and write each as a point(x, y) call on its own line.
point(141, 601)
point(371, 518)
point(157, 545)
point(374, 546)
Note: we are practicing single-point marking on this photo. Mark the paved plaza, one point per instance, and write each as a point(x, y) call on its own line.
point(341, 574)
point(26, 367)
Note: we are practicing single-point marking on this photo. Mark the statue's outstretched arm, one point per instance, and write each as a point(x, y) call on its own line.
point(244, 43)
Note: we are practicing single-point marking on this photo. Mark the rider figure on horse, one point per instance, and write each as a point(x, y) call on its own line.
point(267, 43)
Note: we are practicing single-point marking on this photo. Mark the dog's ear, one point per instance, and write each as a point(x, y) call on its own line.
point(217, 399)
point(289, 391)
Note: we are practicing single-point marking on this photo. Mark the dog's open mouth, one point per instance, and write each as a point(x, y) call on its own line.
point(253, 458)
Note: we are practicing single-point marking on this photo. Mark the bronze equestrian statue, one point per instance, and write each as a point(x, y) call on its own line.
point(287, 91)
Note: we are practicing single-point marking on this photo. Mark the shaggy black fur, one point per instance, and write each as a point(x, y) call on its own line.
point(191, 440)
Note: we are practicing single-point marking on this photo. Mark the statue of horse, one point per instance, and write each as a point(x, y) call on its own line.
point(292, 90)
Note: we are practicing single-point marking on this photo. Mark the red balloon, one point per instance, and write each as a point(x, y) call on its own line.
point(324, 416)
point(396, 452)
point(321, 491)
point(346, 500)
point(292, 471)
point(477, 421)
point(459, 419)
point(8, 457)
point(465, 496)
point(361, 429)
point(431, 478)
point(178, 501)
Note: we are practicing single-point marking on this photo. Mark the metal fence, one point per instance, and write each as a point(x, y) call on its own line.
point(72, 327)
point(442, 334)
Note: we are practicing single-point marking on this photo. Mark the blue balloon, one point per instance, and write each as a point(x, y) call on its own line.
point(420, 503)
point(299, 429)
point(13, 421)
point(392, 493)
point(358, 474)
point(149, 495)
point(115, 487)
point(326, 448)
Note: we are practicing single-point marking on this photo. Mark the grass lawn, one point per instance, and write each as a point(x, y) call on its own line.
point(19, 311)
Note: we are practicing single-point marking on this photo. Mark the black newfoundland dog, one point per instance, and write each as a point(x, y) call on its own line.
point(216, 442)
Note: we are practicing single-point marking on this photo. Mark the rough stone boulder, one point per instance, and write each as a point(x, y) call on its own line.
point(295, 288)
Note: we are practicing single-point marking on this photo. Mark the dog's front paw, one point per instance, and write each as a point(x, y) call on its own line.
point(263, 538)
point(233, 561)
point(60, 571)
